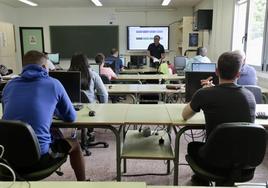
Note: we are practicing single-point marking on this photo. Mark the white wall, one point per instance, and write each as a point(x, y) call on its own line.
point(8, 55)
point(219, 39)
point(44, 17)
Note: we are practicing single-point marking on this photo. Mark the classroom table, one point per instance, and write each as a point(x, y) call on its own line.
point(108, 116)
point(72, 184)
point(139, 71)
point(143, 77)
point(135, 90)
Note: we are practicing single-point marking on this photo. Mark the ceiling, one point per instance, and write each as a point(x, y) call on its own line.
point(106, 3)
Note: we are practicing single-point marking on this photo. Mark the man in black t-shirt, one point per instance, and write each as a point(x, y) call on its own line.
point(226, 102)
point(156, 52)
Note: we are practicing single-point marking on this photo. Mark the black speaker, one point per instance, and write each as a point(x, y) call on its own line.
point(203, 20)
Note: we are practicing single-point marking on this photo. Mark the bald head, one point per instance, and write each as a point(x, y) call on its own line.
point(242, 54)
point(202, 51)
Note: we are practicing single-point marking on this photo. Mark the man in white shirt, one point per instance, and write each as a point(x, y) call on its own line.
point(201, 57)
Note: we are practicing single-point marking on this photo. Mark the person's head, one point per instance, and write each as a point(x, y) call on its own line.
point(79, 62)
point(35, 58)
point(229, 65)
point(114, 52)
point(243, 54)
point(156, 39)
point(202, 51)
point(100, 58)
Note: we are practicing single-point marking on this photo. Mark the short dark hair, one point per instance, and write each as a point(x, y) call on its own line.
point(99, 58)
point(157, 37)
point(229, 64)
point(113, 51)
point(34, 57)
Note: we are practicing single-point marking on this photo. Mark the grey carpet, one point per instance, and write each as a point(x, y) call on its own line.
point(100, 166)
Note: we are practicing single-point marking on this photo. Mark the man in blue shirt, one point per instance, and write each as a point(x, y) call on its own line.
point(114, 58)
point(34, 98)
point(248, 75)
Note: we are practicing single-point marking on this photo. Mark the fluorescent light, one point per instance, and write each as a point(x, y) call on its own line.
point(97, 3)
point(165, 2)
point(29, 3)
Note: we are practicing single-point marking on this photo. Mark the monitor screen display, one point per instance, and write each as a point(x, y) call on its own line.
point(193, 82)
point(71, 81)
point(139, 37)
point(204, 67)
point(54, 58)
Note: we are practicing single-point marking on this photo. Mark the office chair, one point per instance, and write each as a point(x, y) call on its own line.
point(22, 153)
point(88, 142)
point(180, 64)
point(231, 153)
point(256, 90)
point(105, 79)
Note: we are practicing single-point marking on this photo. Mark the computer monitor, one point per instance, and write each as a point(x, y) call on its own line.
point(71, 81)
point(179, 62)
point(138, 60)
point(95, 67)
point(123, 60)
point(204, 67)
point(54, 58)
point(193, 82)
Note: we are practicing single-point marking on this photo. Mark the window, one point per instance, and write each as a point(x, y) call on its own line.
point(249, 29)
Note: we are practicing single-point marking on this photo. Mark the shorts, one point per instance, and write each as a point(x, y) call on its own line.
point(58, 150)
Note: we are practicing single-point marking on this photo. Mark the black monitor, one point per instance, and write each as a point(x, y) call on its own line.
point(179, 62)
point(138, 60)
point(71, 81)
point(54, 58)
point(203, 67)
point(193, 82)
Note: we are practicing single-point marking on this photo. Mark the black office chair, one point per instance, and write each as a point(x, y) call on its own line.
point(89, 142)
point(105, 79)
point(231, 153)
point(256, 90)
point(22, 153)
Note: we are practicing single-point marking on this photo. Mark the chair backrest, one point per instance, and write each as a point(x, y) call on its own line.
point(105, 79)
point(84, 97)
point(256, 90)
point(179, 62)
point(20, 142)
point(235, 146)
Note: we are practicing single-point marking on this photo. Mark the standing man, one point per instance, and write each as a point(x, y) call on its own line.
point(156, 52)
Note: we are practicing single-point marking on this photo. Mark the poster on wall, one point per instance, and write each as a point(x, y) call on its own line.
point(31, 38)
point(193, 39)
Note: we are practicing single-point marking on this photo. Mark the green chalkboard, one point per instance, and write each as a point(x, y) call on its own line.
point(90, 40)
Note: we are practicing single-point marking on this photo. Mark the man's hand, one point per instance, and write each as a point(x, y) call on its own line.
point(207, 82)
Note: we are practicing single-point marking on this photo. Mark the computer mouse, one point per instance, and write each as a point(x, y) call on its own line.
point(91, 113)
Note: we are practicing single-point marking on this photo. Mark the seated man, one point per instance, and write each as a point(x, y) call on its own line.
point(226, 102)
point(248, 75)
point(114, 58)
point(33, 98)
point(107, 71)
point(201, 57)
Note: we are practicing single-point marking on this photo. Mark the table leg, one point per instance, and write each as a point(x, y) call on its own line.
point(177, 148)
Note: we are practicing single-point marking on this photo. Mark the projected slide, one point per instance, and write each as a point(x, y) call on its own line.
point(139, 38)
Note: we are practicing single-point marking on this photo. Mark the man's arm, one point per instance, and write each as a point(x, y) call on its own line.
point(149, 55)
point(187, 112)
point(163, 56)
